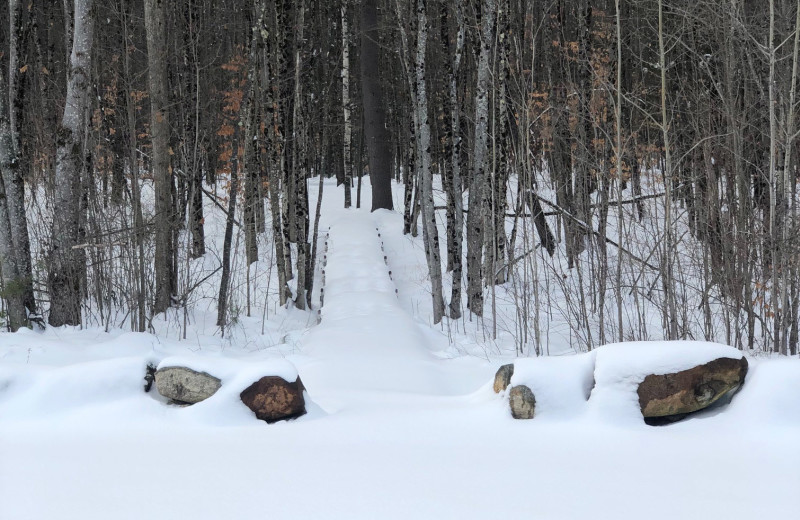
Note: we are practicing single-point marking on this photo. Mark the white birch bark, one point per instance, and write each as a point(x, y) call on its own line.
point(788, 270)
point(348, 124)
point(66, 262)
point(457, 184)
point(301, 200)
point(476, 216)
point(430, 233)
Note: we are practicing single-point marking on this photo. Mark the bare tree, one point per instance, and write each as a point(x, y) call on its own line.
point(430, 233)
point(12, 281)
point(162, 171)
point(476, 217)
point(374, 109)
point(346, 108)
point(66, 261)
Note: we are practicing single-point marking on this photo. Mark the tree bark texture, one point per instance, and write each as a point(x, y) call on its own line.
point(374, 110)
point(66, 260)
point(162, 169)
point(477, 215)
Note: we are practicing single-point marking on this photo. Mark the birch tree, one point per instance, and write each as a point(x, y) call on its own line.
point(346, 108)
point(66, 260)
point(476, 216)
point(455, 194)
point(430, 233)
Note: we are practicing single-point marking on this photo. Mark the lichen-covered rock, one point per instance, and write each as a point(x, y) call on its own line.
point(185, 385)
point(503, 377)
point(669, 397)
point(522, 402)
point(272, 398)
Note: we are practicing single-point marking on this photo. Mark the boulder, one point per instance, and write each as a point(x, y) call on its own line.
point(669, 397)
point(185, 385)
point(522, 402)
point(272, 398)
point(503, 377)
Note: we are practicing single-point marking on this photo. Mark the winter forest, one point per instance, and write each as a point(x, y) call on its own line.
point(634, 160)
point(396, 200)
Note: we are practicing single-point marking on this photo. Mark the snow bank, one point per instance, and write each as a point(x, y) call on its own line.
point(110, 392)
point(620, 367)
point(561, 385)
point(231, 370)
point(770, 397)
point(45, 393)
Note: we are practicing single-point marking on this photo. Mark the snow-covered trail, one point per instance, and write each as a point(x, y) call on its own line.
point(366, 344)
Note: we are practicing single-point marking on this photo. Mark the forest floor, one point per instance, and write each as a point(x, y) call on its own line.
point(402, 421)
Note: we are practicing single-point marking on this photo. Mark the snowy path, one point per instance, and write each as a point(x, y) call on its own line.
point(366, 340)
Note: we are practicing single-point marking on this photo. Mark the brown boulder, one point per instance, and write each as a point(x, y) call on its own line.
point(272, 398)
point(522, 402)
point(669, 397)
point(503, 377)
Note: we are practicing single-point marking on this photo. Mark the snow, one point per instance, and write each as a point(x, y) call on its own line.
point(402, 422)
point(620, 367)
point(561, 385)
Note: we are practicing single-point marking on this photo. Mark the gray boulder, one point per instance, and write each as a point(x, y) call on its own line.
point(522, 402)
point(184, 385)
point(503, 377)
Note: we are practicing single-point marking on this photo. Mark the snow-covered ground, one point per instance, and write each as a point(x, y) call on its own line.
point(402, 421)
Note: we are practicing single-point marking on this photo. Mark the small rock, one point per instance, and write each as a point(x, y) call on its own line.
point(666, 398)
point(272, 399)
point(522, 402)
point(185, 385)
point(503, 377)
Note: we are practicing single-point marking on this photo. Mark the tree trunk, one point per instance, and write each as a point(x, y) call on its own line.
point(13, 175)
point(347, 159)
point(162, 171)
point(455, 195)
point(374, 111)
point(12, 282)
point(299, 151)
point(670, 309)
point(476, 216)
point(430, 233)
point(66, 261)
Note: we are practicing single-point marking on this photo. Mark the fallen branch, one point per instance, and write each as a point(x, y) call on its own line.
point(588, 228)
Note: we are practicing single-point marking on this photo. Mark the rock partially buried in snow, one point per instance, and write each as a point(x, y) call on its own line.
point(185, 385)
point(272, 398)
point(670, 397)
point(503, 377)
point(522, 402)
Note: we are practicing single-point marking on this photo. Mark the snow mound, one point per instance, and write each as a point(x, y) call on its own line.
point(770, 397)
point(620, 367)
point(111, 391)
point(561, 385)
point(48, 392)
point(230, 370)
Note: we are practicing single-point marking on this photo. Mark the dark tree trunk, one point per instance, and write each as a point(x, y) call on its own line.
point(162, 172)
point(374, 110)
